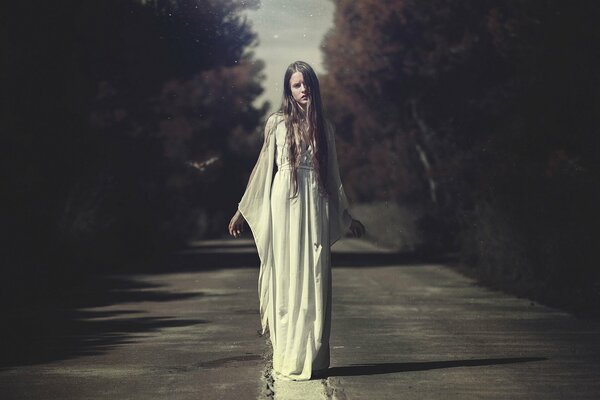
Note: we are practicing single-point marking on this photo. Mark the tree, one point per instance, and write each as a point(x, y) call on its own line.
point(94, 161)
point(489, 104)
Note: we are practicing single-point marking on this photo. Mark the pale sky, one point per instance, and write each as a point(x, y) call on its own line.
point(289, 30)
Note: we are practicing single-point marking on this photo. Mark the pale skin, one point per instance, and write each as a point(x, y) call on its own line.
point(300, 93)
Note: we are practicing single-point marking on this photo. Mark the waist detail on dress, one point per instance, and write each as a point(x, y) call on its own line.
point(288, 166)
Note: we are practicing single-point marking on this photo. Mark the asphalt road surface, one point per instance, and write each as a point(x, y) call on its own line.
point(403, 328)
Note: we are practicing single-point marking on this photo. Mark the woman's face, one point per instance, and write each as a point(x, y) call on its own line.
point(299, 90)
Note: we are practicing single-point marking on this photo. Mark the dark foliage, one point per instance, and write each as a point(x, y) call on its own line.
point(485, 114)
point(104, 103)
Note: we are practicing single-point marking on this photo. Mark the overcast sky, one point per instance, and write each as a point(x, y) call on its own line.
point(289, 30)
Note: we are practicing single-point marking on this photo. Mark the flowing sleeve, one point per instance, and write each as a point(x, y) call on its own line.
point(339, 207)
point(255, 207)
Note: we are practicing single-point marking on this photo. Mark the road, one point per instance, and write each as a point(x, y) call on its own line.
point(402, 329)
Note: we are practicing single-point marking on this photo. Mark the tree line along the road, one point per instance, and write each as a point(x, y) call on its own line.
point(484, 115)
point(105, 104)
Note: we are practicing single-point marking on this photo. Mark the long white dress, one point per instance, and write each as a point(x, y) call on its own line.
point(293, 236)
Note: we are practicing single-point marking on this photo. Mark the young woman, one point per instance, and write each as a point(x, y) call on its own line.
point(295, 217)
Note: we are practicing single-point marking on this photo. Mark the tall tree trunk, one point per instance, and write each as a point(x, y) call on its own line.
point(420, 146)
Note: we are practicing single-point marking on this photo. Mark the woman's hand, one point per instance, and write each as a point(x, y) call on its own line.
point(236, 225)
point(357, 228)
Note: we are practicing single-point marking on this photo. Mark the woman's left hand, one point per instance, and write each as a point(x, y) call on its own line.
point(236, 225)
point(357, 228)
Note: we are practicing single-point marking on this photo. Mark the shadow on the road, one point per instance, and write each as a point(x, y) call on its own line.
point(352, 259)
point(58, 322)
point(68, 323)
point(389, 368)
point(243, 255)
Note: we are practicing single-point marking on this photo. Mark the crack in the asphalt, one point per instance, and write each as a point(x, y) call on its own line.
point(268, 391)
point(333, 389)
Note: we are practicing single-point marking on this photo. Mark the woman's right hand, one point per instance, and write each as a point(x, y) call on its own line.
point(357, 228)
point(236, 225)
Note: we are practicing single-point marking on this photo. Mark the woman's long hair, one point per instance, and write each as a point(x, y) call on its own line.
point(311, 118)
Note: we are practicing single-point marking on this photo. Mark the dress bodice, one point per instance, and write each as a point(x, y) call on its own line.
point(282, 150)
